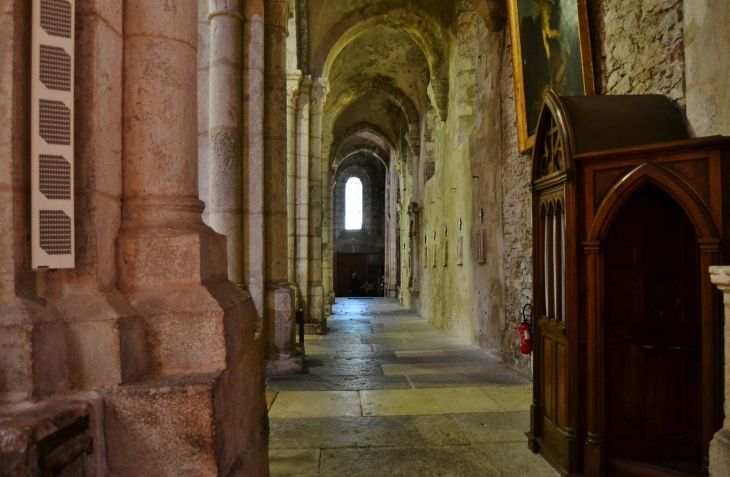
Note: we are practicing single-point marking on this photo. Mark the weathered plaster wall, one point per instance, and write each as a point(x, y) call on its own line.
point(463, 295)
point(707, 58)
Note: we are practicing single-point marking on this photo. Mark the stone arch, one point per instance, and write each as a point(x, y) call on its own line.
point(426, 32)
point(380, 85)
point(380, 147)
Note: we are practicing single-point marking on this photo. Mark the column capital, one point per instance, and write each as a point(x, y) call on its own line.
point(320, 89)
point(276, 13)
point(305, 87)
point(232, 8)
point(293, 84)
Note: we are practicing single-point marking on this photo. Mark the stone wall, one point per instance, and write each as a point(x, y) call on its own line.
point(638, 47)
point(371, 239)
point(517, 221)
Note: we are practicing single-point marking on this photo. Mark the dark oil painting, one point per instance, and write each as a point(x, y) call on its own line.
point(551, 55)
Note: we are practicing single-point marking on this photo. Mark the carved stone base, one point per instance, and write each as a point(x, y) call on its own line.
point(285, 366)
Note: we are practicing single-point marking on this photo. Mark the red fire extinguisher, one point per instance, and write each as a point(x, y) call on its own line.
point(526, 331)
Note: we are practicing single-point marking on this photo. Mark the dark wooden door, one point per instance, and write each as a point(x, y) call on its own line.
point(652, 339)
point(366, 265)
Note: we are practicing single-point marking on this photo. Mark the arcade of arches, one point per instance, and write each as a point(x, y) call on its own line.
point(213, 143)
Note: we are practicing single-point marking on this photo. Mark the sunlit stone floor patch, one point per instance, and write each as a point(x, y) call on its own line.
point(387, 393)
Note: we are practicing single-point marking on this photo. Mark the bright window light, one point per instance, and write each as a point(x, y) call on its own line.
point(353, 204)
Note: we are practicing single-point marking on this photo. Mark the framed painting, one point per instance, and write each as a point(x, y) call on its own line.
point(551, 49)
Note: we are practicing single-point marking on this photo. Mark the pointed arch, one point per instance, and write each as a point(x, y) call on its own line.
point(683, 194)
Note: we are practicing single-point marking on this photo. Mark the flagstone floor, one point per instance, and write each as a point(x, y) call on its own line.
point(386, 393)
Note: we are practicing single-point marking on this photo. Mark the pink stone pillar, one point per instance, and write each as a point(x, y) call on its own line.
point(279, 317)
point(164, 247)
point(206, 356)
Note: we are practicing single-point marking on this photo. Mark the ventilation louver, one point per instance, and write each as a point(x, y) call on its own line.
point(52, 145)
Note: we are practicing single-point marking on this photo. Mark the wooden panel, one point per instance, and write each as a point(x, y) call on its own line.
point(561, 386)
point(697, 172)
point(548, 372)
point(603, 179)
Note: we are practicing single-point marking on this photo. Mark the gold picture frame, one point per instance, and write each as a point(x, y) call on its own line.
point(551, 49)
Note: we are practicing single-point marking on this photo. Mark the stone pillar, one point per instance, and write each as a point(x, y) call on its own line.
point(320, 88)
point(392, 270)
point(327, 225)
point(253, 153)
point(302, 195)
point(172, 268)
point(279, 316)
point(225, 132)
point(720, 444)
point(293, 80)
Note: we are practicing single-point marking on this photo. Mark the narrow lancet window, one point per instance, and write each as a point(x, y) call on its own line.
point(353, 204)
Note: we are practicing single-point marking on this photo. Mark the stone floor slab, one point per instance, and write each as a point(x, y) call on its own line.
point(332, 433)
point(450, 461)
point(433, 368)
point(512, 460)
point(495, 426)
point(398, 403)
point(511, 398)
point(294, 462)
point(463, 400)
point(309, 404)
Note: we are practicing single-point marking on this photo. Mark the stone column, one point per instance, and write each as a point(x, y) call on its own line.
point(172, 268)
point(279, 316)
point(327, 228)
point(302, 195)
point(720, 444)
point(225, 132)
point(320, 88)
point(293, 80)
point(253, 153)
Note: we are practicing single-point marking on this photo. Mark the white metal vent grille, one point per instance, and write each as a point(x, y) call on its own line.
point(52, 231)
point(55, 68)
point(55, 177)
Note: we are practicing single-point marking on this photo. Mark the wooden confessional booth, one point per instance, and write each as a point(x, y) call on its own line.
point(629, 213)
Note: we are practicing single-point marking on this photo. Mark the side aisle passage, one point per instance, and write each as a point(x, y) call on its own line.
point(387, 393)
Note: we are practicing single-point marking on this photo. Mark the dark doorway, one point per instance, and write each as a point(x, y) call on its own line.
point(366, 265)
point(652, 339)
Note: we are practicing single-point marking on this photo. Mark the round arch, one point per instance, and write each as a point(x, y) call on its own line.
point(415, 22)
